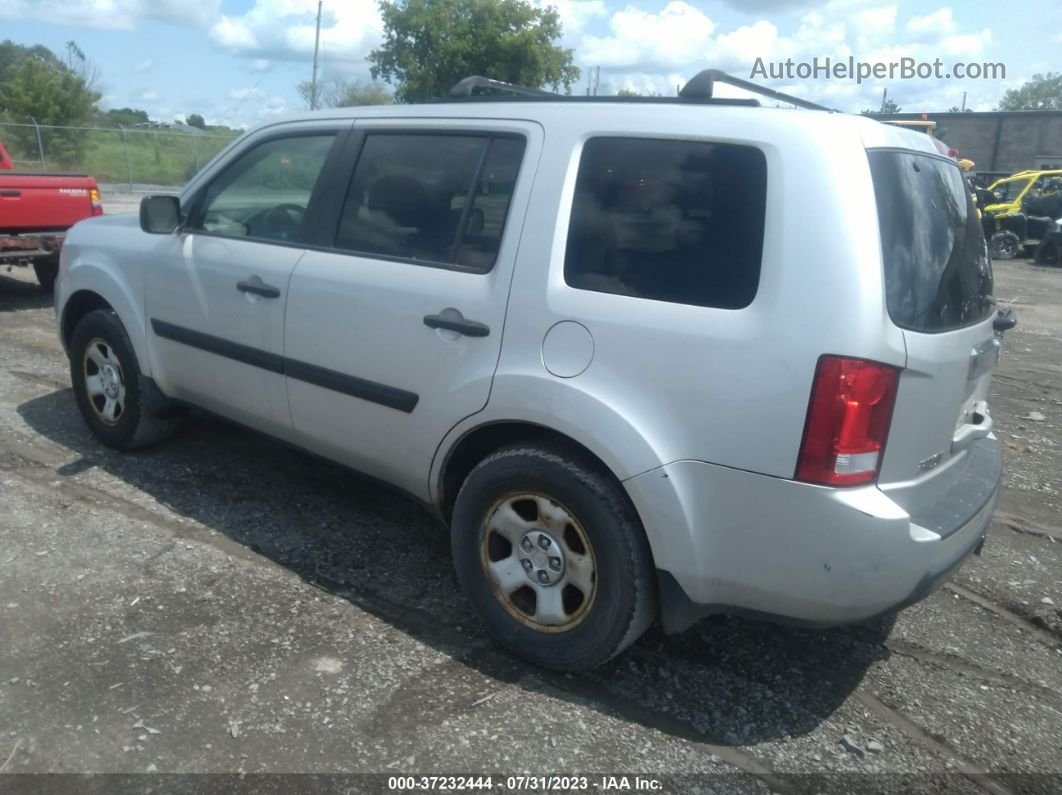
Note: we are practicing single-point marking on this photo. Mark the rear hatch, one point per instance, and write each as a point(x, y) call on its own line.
point(938, 282)
point(45, 202)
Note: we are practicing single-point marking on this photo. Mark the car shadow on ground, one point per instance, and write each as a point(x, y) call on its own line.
point(17, 295)
point(727, 681)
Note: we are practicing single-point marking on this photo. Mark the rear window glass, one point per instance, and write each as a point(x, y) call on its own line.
point(937, 273)
point(440, 198)
point(668, 220)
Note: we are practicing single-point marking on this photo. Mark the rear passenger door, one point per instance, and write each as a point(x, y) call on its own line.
point(394, 326)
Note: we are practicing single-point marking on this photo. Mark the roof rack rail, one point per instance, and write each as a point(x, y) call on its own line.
point(702, 86)
point(467, 87)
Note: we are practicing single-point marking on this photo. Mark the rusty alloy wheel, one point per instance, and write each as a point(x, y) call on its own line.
point(539, 562)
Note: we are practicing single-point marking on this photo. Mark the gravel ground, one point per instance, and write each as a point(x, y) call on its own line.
point(222, 604)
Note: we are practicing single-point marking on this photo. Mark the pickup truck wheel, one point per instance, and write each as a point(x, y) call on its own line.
point(109, 387)
point(46, 268)
point(553, 557)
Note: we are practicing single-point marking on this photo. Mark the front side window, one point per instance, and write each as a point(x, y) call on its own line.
point(264, 194)
point(668, 220)
point(433, 198)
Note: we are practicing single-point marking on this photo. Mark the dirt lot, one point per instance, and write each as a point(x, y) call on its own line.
point(222, 604)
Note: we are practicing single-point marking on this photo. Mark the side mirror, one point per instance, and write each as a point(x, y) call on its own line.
point(160, 215)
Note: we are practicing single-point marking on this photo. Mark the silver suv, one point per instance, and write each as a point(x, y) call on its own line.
point(644, 358)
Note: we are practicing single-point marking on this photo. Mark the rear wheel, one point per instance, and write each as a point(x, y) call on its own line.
point(110, 390)
point(46, 268)
point(553, 557)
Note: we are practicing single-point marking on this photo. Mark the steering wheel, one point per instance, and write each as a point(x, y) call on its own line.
point(282, 221)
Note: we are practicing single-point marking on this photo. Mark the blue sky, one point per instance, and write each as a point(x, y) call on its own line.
point(237, 61)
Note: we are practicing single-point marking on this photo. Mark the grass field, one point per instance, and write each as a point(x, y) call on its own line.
point(157, 157)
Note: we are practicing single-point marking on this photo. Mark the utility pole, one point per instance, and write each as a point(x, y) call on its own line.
point(884, 97)
point(964, 101)
point(316, 49)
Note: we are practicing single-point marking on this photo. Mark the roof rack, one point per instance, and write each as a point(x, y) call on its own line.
point(702, 86)
point(467, 87)
point(699, 89)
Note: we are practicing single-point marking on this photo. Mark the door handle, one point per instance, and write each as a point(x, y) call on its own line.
point(451, 320)
point(258, 287)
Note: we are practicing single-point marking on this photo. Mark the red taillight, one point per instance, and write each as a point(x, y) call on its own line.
point(848, 421)
point(97, 207)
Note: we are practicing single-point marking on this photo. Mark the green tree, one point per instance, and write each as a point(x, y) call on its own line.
point(53, 95)
point(339, 93)
point(1043, 92)
point(12, 55)
point(124, 117)
point(429, 45)
point(195, 120)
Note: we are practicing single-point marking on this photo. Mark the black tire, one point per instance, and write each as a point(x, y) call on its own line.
point(46, 268)
point(1004, 245)
point(135, 425)
point(624, 598)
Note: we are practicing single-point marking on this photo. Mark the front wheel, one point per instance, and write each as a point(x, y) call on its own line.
point(109, 387)
point(552, 556)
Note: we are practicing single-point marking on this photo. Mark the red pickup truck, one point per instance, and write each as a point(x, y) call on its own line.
point(36, 210)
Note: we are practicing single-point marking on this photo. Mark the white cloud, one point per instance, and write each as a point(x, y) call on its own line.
point(148, 96)
point(245, 93)
point(575, 15)
point(285, 29)
point(275, 106)
point(261, 64)
point(969, 44)
point(143, 66)
point(111, 14)
point(940, 22)
point(643, 50)
point(676, 36)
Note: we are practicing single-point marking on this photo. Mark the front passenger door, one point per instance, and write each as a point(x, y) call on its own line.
point(216, 291)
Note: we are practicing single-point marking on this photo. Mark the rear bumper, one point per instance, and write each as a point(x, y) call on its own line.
point(15, 248)
point(728, 541)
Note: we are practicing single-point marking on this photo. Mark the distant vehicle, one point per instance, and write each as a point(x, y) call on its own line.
point(613, 344)
point(36, 211)
point(1021, 210)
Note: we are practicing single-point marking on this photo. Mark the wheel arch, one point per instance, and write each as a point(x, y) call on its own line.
point(77, 306)
point(91, 286)
point(478, 442)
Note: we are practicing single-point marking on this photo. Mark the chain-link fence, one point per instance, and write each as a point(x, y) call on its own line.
point(130, 155)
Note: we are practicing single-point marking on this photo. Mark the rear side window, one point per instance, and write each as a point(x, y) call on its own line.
point(937, 273)
point(433, 198)
point(667, 220)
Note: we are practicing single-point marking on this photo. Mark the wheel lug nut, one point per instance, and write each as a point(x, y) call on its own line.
point(543, 541)
point(526, 544)
point(526, 564)
point(543, 577)
point(554, 563)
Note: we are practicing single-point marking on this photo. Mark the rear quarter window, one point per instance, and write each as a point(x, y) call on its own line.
point(937, 273)
point(668, 220)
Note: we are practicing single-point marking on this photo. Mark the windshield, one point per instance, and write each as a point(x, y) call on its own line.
point(937, 273)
